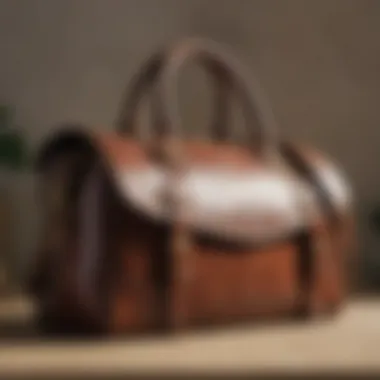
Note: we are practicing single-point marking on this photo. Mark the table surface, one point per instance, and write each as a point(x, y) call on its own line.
point(349, 342)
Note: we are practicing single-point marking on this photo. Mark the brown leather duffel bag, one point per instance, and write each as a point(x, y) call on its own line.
point(146, 234)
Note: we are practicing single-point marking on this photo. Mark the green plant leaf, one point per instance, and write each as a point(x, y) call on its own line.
point(13, 150)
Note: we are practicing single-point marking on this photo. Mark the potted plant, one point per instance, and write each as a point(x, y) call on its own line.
point(13, 154)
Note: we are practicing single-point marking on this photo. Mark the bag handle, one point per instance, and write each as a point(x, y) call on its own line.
point(162, 70)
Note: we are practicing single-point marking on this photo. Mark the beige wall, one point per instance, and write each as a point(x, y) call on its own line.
point(318, 61)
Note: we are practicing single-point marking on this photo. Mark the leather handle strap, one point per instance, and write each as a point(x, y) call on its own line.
point(160, 75)
point(164, 67)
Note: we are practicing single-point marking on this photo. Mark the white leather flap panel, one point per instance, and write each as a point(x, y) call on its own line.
point(249, 205)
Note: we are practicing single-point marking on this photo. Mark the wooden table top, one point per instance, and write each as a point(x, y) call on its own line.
point(351, 342)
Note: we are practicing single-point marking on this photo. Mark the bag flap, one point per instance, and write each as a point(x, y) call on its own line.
point(250, 205)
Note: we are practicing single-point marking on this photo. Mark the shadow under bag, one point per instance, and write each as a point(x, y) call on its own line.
point(161, 232)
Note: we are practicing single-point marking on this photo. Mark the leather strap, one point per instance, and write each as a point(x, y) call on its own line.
point(160, 75)
point(313, 245)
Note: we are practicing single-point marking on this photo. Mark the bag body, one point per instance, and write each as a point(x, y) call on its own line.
point(158, 233)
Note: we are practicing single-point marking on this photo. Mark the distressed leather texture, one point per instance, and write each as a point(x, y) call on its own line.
point(170, 232)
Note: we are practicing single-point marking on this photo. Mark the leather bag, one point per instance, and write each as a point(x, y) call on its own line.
point(165, 232)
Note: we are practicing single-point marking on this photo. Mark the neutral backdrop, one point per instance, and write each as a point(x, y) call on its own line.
point(317, 60)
